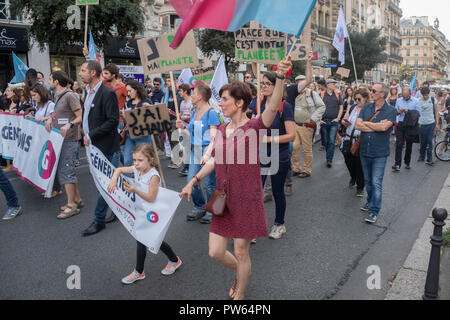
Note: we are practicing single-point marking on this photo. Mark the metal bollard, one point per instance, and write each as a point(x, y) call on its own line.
point(432, 283)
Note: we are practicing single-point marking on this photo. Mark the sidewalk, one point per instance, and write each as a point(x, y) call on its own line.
point(409, 283)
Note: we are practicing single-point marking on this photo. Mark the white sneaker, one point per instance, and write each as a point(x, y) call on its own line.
point(277, 232)
point(171, 267)
point(133, 277)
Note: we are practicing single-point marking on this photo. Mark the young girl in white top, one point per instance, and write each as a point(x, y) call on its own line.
point(147, 182)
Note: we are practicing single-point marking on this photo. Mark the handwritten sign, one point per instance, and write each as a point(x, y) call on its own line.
point(145, 121)
point(260, 45)
point(301, 45)
point(343, 72)
point(204, 74)
point(158, 57)
point(324, 72)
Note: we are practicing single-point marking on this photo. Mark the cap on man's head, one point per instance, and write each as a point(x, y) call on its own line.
point(300, 77)
point(329, 81)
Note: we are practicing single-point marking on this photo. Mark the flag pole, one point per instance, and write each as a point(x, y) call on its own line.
point(353, 58)
point(86, 25)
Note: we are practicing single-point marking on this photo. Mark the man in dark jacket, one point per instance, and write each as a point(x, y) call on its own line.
point(100, 120)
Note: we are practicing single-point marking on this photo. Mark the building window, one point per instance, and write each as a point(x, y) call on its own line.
point(6, 13)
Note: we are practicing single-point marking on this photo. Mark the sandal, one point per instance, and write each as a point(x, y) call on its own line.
point(69, 212)
point(233, 290)
point(79, 205)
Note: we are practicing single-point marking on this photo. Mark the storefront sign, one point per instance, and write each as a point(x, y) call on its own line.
point(124, 49)
point(13, 39)
point(135, 72)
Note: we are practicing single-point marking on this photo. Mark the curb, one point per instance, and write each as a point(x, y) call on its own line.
point(409, 284)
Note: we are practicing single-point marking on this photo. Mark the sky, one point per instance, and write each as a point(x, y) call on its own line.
point(432, 8)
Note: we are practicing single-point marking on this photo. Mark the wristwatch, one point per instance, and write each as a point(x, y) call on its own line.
point(280, 77)
point(71, 124)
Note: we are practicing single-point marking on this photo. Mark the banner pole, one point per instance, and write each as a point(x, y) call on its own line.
point(353, 58)
point(86, 25)
point(258, 94)
point(174, 94)
point(159, 162)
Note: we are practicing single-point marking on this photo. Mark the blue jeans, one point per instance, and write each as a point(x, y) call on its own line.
point(278, 181)
point(129, 146)
point(329, 132)
point(102, 206)
point(373, 169)
point(426, 141)
point(8, 190)
point(210, 182)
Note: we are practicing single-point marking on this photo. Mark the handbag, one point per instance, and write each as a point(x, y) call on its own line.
point(217, 202)
point(355, 148)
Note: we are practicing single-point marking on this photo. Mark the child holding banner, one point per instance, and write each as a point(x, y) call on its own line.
point(147, 183)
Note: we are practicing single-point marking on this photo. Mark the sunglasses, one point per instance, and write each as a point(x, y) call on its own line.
point(359, 99)
point(157, 84)
point(374, 91)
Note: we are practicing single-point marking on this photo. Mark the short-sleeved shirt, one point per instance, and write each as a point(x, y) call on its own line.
point(142, 182)
point(199, 130)
point(65, 106)
point(427, 116)
point(376, 144)
point(332, 104)
point(45, 111)
point(278, 124)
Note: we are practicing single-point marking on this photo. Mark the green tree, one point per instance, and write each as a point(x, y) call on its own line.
point(406, 73)
point(220, 42)
point(49, 20)
point(368, 50)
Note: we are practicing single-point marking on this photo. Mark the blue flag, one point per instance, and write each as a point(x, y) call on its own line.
point(92, 50)
point(20, 69)
point(412, 86)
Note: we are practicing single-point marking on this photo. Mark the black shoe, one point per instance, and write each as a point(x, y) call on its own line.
point(430, 163)
point(183, 173)
point(396, 168)
point(93, 229)
point(329, 163)
point(111, 218)
point(360, 193)
point(296, 173)
point(407, 166)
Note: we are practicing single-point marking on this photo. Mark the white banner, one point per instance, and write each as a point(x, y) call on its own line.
point(147, 222)
point(34, 151)
point(219, 80)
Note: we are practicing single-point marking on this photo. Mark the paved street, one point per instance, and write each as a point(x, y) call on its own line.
point(324, 254)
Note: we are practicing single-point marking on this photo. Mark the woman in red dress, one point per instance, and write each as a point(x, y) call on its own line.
point(235, 159)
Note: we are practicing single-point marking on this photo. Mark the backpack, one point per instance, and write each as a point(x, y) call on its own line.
point(336, 93)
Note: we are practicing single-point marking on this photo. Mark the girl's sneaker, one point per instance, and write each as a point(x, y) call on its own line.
point(133, 277)
point(171, 267)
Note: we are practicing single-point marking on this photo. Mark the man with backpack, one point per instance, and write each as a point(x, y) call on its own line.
point(334, 108)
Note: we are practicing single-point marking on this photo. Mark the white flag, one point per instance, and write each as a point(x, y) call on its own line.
point(186, 76)
point(219, 80)
point(340, 35)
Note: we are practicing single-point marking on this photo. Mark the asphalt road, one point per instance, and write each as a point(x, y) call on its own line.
point(324, 254)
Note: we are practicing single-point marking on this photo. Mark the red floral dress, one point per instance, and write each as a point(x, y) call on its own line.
point(244, 216)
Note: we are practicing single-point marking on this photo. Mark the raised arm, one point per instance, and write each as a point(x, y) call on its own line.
point(272, 107)
point(303, 84)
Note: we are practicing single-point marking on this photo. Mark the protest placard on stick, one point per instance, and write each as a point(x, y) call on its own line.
point(299, 47)
point(260, 45)
point(158, 57)
point(343, 72)
point(147, 120)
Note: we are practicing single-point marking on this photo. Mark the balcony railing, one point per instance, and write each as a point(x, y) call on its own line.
point(396, 41)
point(323, 31)
point(396, 57)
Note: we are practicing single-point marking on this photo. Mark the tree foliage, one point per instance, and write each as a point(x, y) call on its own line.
point(220, 42)
point(368, 50)
point(49, 20)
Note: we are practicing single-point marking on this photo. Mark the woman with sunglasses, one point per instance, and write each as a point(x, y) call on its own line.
point(285, 124)
point(354, 163)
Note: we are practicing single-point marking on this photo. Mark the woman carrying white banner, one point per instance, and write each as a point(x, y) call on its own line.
point(244, 217)
point(147, 182)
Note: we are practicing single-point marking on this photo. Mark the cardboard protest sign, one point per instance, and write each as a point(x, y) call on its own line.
point(145, 121)
point(343, 72)
point(301, 45)
point(204, 74)
point(158, 57)
point(324, 72)
point(262, 45)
